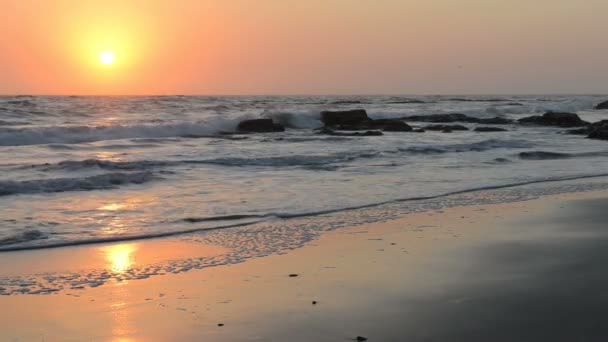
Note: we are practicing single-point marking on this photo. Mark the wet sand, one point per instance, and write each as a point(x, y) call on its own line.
point(526, 271)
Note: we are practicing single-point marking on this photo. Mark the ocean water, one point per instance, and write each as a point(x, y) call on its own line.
point(78, 170)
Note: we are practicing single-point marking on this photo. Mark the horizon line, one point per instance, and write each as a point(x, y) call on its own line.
point(295, 95)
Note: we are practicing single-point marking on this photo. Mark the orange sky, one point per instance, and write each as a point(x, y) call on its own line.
point(304, 47)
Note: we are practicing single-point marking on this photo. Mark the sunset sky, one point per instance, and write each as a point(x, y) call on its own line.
point(303, 47)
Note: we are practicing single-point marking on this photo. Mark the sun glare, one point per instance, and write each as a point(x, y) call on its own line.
point(107, 57)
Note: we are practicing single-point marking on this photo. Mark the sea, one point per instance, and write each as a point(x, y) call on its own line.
point(77, 170)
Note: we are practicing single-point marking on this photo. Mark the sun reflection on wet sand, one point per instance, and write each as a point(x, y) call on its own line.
point(120, 257)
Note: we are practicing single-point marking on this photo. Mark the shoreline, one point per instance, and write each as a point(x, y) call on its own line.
point(185, 232)
point(356, 275)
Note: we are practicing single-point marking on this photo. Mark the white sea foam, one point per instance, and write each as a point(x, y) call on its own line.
point(82, 134)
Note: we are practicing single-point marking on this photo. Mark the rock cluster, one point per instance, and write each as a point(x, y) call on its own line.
point(357, 121)
point(557, 119)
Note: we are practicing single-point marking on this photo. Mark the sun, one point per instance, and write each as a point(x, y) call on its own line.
point(107, 57)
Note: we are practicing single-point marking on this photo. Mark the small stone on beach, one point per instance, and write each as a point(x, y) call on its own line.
point(361, 339)
point(293, 275)
point(314, 302)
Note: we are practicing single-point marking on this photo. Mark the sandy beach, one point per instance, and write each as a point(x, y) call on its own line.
point(523, 271)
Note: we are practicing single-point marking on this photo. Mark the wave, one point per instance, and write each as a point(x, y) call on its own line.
point(98, 182)
point(303, 119)
point(567, 105)
point(544, 155)
point(305, 161)
point(283, 216)
point(468, 99)
point(480, 146)
point(22, 237)
point(83, 134)
point(308, 161)
point(72, 165)
point(13, 123)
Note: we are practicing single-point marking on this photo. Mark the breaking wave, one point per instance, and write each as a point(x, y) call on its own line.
point(106, 181)
point(82, 134)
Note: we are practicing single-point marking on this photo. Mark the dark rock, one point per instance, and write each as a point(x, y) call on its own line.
point(361, 339)
point(489, 129)
point(495, 121)
point(329, 131)
point(555, 119)
point(599, 130)
point(446, 128)
point(390, 125)
point(603, 105)
point(456, 117)
point(314, 302)
point(220, 324)
point(357, 120)
point(440, 118)
point(293, 275)
point(346, 118)
point(578, 131)
point(259, 126)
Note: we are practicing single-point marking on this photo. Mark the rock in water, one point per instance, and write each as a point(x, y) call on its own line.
point(357, 120)
point(446, 128)
point(441, 118)
point(329, 131)
point(490, 129)
point(579, 131)
point(495, 121)
point(361, 339)
point(355, 117)
point(603, 105)
point(390, 125)
point(456, 117)
point(599, 130)
point(259, 126)
point(555, 119)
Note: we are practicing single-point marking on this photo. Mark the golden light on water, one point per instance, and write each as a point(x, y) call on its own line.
point(120, 257)
point(113, 207)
